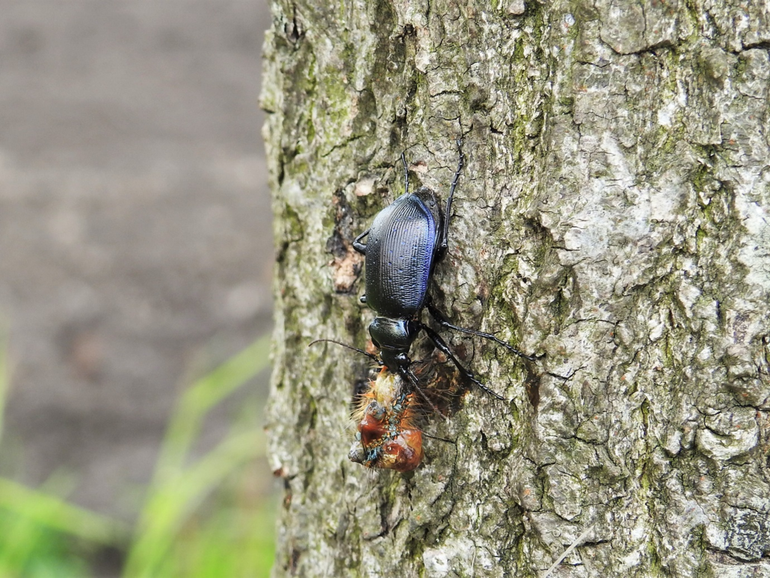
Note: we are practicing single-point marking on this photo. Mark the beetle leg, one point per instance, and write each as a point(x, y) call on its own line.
point(408, 375)
point(448, 211)
point(444, 348)
point(358, 245)
point(441, 320)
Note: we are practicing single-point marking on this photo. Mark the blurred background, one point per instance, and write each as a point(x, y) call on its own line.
point(135, 258)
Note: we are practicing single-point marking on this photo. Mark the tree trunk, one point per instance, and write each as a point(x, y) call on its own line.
point(611, 219)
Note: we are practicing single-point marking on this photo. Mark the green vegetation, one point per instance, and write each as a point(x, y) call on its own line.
point(200, 517)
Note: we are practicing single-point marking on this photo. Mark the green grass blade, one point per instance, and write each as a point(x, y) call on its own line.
point(50, 511)
point(32, 520)
point(176, 491)
point(205, 393)
point(172, 503)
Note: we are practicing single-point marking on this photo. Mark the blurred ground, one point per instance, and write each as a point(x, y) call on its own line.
point(135, 241)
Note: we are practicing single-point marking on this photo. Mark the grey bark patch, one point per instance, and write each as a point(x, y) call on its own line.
point(613, 199)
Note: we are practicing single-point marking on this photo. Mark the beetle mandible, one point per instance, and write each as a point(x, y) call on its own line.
point(405, 241)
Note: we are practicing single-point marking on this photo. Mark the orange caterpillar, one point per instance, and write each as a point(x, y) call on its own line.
point(387, 435)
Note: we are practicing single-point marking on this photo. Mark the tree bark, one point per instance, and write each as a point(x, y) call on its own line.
point(612, 218)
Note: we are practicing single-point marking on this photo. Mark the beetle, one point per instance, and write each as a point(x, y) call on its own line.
point(405, 241)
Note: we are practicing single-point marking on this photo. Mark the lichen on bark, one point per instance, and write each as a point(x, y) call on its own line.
point(612, 219)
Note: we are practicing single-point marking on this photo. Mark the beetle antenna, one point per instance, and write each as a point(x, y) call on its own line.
point(361, 351)
point(448, 210)
point(406, 173)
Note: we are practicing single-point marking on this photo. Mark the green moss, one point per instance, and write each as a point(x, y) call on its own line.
point(740, 68)
point(655, 567)
point(293, 229)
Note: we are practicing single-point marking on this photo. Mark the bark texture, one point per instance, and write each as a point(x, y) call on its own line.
point(612, 217)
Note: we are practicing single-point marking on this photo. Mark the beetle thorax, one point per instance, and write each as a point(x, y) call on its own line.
point(394, 337)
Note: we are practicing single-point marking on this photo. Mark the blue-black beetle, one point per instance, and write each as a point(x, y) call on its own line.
point(405, 241)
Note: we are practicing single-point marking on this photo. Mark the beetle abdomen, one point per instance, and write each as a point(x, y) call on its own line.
point(399, 257)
